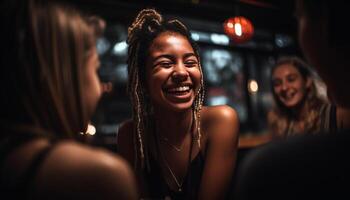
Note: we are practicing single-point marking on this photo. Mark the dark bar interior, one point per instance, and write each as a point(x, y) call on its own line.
point(243, 48)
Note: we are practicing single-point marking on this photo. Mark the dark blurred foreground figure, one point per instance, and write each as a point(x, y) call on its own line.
point(49, 90)
point(313, 166)
point(298, 109)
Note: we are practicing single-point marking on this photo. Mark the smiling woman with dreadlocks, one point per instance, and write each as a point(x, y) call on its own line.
point(179, 148)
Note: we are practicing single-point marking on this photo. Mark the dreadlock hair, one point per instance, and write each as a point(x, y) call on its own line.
point(146, 27)
point(281, 115)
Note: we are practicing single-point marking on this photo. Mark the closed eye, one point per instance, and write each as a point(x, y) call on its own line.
point(292, 78)
point(191, 63)
point(164, 64)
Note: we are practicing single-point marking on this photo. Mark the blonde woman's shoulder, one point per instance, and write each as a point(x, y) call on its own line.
point(77, 171)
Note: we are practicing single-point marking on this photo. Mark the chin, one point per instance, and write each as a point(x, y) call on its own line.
point(177, 105)
point(181, 107)
point(292, 104)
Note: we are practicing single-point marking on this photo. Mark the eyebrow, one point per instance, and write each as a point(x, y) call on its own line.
point(163, 56)
point(169, 56)
point(288, 75)
point(189, 55)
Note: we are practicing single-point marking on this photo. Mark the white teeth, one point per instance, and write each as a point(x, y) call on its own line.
point(179, 89)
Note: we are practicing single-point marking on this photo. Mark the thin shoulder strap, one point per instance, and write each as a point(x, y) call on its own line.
point(24, 184)
point(27, 180)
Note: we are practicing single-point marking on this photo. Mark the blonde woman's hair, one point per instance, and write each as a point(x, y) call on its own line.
point(47, 44)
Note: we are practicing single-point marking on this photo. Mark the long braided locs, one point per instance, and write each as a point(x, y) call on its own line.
point(145, 28)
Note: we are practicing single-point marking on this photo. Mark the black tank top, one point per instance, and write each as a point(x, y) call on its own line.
point(21, 187)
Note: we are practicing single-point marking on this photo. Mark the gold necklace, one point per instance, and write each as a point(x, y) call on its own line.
point(179, 185)
point(178, 149)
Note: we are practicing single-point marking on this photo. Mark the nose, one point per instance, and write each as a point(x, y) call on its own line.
point(180, 73)
point(284, 86)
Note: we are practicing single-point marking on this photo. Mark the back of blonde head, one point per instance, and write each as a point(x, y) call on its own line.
point(48, 44)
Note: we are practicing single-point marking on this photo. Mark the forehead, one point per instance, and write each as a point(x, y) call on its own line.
point(285, 70)
point(170, 40)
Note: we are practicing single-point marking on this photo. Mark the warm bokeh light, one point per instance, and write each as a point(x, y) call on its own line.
point(253, 86)
point(239, 29)
point(91, 130)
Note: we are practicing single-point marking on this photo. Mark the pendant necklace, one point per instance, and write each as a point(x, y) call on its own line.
point(178, 182)
point(179, 185)
point(178, 149)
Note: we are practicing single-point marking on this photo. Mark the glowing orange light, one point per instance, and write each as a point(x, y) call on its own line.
point(239, 29)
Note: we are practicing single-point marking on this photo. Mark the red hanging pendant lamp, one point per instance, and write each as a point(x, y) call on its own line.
point(239, 29)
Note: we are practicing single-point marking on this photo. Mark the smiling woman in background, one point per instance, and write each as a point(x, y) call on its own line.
point(299, 109)
point(309, 166)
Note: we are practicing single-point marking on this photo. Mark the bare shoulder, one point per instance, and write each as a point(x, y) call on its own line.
point(74, 170)
point(222, 121)
point(219, 113)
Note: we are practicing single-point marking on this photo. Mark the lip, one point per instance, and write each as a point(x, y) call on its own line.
point(288, 95)
point(173, 86)
point(287, 100)
point(179, 93)
point(290, 99)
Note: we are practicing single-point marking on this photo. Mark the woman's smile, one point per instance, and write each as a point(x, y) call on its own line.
point(179, 93)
